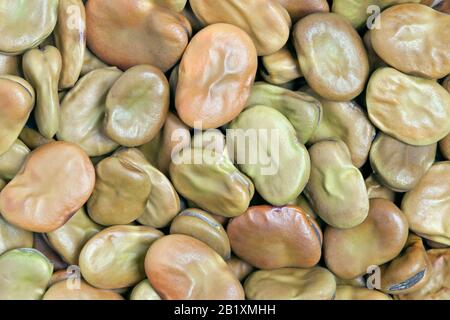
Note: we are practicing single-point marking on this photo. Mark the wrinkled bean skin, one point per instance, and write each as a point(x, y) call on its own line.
point(380, 238)
point(12, 237)
point(183, 268)
point(55, 181)
point(356, 11)
point(336, 189)
point(345, 292)
point(70, 39)
point(216, 185)
point(125, 33)
point(69, 239)
point(282, 167)
point(114, 257)
point(291, 284)
point(224, 150)
point(413, 38)
point(61, 291)
point(332, 56)
point(25, 24)
point(24, 274)
point(266, 21)
point(276, 237)
point(411, 109)
point(409, 271)
point(427, 205)
point(42, 68)
point(202, 226)
point(17, 99)
point(438, 286)
point(398, 165)
point(215, 76)
point(298, 9)
point(348, 122)
point(137, 106)
point(302, 110)
point(9, 65)
point(83, 110)
point(12, 160)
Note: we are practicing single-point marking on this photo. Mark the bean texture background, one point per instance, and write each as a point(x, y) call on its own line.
point(224, 150)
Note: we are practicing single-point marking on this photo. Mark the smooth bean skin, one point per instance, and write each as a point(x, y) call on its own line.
point(9, 65)
point(24, 274)
point(173, 137)
point(276, 237)
point(240, 268)
point(344, 292)
point(40, 243)
point(12, 237)
point(411, 109)
point(121, 192)
point(215, 76)
point(144, 291)
point(25, 24)
point(137, 106)
point(398, 165)
point(357, 11)
point(298, 9)
point(17, 98)
point(409, 271)
point(336, 189)
point(91, 63)
point(113, 258)
point(62, 291)
point(32, 138)
point(200, 225)
point(183, 268)
point(444, 146)
point(126, 33)
point(280, 67)
point(427, 205)
point(69, 239)
point(376, 190)
point(55, 181)
point(70, 39)
point(348, 122)
point(291, 284)
point(380, 238)
point(332, 56)
point(11, 161)
point(83, 112)
point(438, 286)
point(282, 166)
point(266, 21)
point(215, 184)
point(42, 68)
point(301, 109)
point(414, 39)
point(163, 202)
